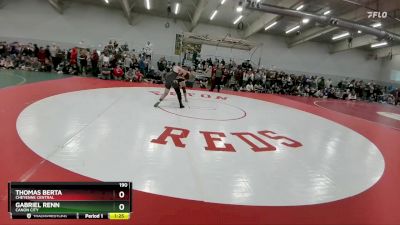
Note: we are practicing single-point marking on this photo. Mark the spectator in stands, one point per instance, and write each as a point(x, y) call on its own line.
point(2, 62)
point(138, 76)
point(83, 61)
point(105, 72)
point(203, 83)
point(142, 65)
point(258, 87)
point(104, 58)
point(41, 55)
point(135, 63)
point(352, 95)
point(36, 50)
point(94, 61)
point(148, 50)
point(46, 66)
point(246, 76)
point(47, 52)
point(162, 64)
point(9, 64)
point(216, 79)
point(35, 64)
point(53, 51)
point(74, 57)
point(128, 63)
point(118, 73)
point(129, 75)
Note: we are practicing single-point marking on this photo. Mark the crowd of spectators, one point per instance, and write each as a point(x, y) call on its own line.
point(244, 77)
point(116, 61)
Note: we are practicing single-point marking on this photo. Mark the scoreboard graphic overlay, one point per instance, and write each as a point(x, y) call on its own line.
point(70, 200)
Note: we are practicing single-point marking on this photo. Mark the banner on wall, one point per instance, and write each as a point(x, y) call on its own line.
point(178, 44)
point(182, 47)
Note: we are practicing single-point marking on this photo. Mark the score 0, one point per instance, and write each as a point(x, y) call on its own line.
point(123, 195)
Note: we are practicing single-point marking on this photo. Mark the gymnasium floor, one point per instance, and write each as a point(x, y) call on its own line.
point(13, 78)
point(227, 158)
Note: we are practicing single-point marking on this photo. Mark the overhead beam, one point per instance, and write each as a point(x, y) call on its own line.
point(126, 7)
point(267, 18)
point(315, 32)
point(57, 5)
point(201, 5)
point(384, 52)
point(355, 43)
point(359, 41)
point(355, 15)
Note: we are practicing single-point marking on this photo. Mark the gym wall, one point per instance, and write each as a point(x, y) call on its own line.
point(95, 25)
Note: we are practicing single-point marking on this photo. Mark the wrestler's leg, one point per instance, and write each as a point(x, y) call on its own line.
point(183, 85)
point(166, 91)
point(179, 95)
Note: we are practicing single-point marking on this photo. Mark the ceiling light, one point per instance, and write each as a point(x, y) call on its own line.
point(335, 37)
point(222, 2)
point(177, 8)
point(258, 1)
point(359, 31)
point(237, 19)
point(213, 15)
point(305, 20)
point(148, 4)
point(379, 44)
point(240, 7)
point(271, 25)
point(299, 7)
point(292, 29)
point(375, 25)
point(107, 1)
point(327, 12)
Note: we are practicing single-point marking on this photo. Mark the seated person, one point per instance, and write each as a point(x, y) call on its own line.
point(318, 94)
point(138, 76)
point(190, 80)
point(105, 72)
point(129, 75)
point(118, 73)
point(27, 65)
point(390, 99)
point(203, 83)
point(46, 66)
point(2, 62)
point(9, 64)
point(232, 82)
point(35, 64)
point(258, 88)
point(65, 68)
point(249, 87)
point(352, 96)
point(73, 69)
point(60, 68)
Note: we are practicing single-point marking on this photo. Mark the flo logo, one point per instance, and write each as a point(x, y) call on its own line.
point(375, 14)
